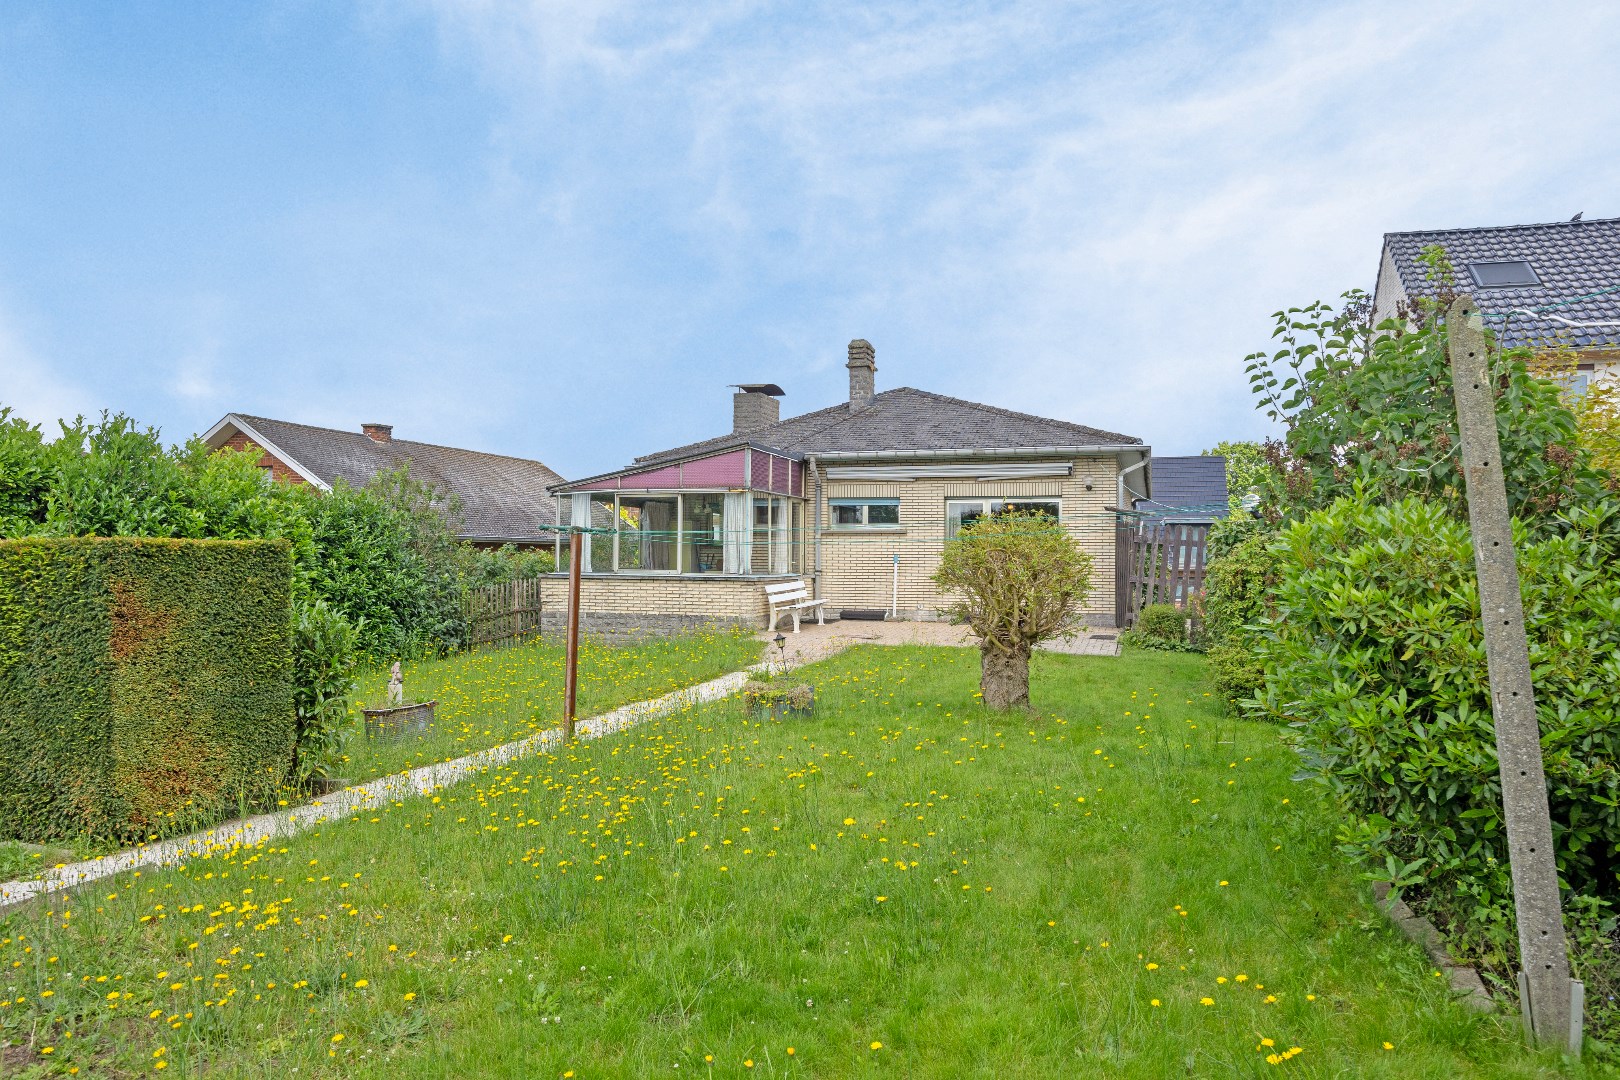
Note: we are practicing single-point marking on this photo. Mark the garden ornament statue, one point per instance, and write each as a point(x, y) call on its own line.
point(396, 685)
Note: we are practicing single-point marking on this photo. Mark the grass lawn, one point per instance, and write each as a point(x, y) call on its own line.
point(1124, 884)
point(498, 696)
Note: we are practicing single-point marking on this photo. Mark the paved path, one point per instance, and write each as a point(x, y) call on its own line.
point(814, 643)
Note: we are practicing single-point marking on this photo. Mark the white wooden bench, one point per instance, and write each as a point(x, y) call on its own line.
point(792, 597)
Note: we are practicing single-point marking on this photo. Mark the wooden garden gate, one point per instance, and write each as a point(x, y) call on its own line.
point(1157, 562)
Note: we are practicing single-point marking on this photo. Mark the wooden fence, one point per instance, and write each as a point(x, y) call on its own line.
point(504, 614)
point(1158, 562)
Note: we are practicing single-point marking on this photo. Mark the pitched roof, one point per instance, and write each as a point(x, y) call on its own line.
point(906, 419)
point(1577, 262)
point(502, 498)
point(1195, 483)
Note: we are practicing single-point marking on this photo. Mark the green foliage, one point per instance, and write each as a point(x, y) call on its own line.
point(324, 654)
point(387, 554)
point(1247, 469)
point(1236, 584)
point(1374, 410)
point(25, 473)
point(146, 685)
point(1159, 626)
point(497, 566)
point(1019, 579)
point(1375, 655)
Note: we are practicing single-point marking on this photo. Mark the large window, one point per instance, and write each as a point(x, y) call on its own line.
point(959, 512)
point(694, 532)
point(865, 513)
point(773, 548)
point(703, 534)
point(647, 532)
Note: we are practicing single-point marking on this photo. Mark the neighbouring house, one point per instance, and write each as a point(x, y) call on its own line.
point(1546, 286)
point(857, 499)
point(1164, 540)
point(503, 499)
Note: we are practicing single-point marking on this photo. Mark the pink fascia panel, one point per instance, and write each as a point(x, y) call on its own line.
point(667, 477)
point(762, 471)
point(796, 475)
point(610, 484)
point(719, 471)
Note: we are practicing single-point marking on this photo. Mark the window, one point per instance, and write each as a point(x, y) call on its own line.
point(1502, 272)
point(772, 549)
point(694, 532)
point(959, 512)
point(865, 513)
point(703, 534)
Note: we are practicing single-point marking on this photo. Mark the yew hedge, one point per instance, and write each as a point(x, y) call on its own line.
point(146, 685)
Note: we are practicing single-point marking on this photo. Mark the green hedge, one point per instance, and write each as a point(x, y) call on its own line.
point(145, 684)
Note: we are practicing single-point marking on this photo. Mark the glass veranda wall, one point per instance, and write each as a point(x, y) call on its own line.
point(688, 533)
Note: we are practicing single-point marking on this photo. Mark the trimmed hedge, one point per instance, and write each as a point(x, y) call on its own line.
point(145, 684)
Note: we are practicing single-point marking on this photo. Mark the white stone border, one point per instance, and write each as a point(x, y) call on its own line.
point(247, 832)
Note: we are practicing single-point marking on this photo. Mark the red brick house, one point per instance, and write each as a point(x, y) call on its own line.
point(503, 499)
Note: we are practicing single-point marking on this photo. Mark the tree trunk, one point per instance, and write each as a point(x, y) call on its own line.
point(1004, 676)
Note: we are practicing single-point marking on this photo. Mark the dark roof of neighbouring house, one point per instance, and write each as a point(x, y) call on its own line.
point(502, 498)
point(1195, 484)
point(1578, 263)
point(905, 419)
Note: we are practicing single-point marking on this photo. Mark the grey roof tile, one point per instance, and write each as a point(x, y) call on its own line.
point(906, 419)
point(1573, 259)
point(502, 498)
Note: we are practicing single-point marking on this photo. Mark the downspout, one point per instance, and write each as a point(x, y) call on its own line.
point(815, 576)
point(1121, 501)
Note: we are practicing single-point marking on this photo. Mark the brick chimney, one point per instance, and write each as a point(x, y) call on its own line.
point(754, 406)
point(378, 432)
point(862, 373)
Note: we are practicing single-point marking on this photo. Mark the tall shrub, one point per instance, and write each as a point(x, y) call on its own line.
point(145, 685)
point(1018, 579)
point(1375, 655)
point(1240, 576)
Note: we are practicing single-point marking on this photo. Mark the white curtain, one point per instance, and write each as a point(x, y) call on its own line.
point(581, 519)
point(739, 526)
point(781, 536)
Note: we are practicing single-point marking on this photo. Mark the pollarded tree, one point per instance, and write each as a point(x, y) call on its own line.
point(1019, 580)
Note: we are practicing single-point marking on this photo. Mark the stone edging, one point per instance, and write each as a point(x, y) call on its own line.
point(244, 833)
point(1465, 981)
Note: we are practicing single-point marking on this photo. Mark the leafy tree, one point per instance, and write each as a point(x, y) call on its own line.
point(1372, 411)
point(26, 469)
point(1019, 580)
point(1247, 469)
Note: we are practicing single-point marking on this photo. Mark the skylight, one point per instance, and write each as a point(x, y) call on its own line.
point(1502, 272)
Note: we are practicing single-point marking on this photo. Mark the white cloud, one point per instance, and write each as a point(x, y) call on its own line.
point(30, 387)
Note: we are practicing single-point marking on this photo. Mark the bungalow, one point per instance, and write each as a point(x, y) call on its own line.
point(503, 499)
point(857, 500)
point(1551, 285)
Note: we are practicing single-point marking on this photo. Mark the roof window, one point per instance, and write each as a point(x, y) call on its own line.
point(1499, 273)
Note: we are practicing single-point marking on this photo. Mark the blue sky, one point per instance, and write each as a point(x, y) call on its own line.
point(560, 229)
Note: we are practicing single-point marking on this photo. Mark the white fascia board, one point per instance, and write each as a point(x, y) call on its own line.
point(231, 422)
point(964, 471)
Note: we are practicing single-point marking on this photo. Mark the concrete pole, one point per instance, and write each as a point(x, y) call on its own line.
point(1544, 978)
point(576, 553)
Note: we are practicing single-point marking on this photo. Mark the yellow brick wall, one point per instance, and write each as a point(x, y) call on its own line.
point(858, 565)
point(718, 598)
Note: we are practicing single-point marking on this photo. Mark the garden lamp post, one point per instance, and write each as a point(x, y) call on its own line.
point(781, 652)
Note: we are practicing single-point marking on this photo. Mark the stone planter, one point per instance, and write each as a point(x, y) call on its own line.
point(779, 702)
point(399, 721)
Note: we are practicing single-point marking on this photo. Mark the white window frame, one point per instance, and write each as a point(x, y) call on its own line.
point(984, 502)
point(865, 504)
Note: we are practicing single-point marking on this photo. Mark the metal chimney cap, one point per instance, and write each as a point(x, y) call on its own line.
point(769, 389)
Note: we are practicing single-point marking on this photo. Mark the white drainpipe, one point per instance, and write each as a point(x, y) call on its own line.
point(1121, 503)
point(815, 576)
